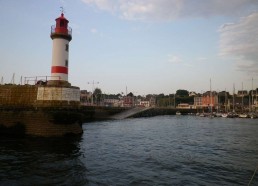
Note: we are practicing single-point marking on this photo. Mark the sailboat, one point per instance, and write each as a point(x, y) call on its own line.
point(211, 105)
point(243, 115)
point(234, 114)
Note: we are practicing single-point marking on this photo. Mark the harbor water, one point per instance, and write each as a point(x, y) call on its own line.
point(163, 150)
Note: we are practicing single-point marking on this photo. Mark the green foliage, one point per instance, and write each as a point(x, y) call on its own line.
point(97, 91)
point(169, 101)
point(182, 93)
point(165, 101)
point(111, 96)
point(130, 94)
point(97, 95)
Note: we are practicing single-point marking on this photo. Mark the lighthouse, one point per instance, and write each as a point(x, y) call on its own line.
point(61, 35)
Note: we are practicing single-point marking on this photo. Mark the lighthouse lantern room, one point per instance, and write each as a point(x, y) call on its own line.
point(61, 35)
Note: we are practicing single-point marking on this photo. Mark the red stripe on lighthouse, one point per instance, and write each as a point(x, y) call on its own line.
point(59, 69)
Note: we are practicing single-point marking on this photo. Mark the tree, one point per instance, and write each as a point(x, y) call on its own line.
point(97, 94)
point(130, 94)
point(161, 95)
point(97, 91)
point(182, 93)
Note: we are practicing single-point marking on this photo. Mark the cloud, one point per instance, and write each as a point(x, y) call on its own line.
point(240, 41)
point(174, 59)
point(173, 9)
point(93, 30)
point(108, 5)
point(202, 59)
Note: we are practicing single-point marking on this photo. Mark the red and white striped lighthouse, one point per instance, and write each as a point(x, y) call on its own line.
point(61, 35)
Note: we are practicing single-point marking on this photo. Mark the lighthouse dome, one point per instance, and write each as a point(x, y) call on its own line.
point(61, 29)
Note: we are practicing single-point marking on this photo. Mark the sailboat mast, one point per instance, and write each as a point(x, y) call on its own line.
point(252, 95)
point(210, 97)
point(234, 97)
point(225, 103)
point(242, 98)
point(175, 100)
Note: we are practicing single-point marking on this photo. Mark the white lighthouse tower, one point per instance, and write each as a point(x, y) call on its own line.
point(61, 35)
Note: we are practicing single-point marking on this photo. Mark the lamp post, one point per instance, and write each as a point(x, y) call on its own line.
point(92, 83)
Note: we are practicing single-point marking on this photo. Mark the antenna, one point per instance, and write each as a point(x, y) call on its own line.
point(62, 9)
point(21, 81)
point(12, 81)
point(93, 83)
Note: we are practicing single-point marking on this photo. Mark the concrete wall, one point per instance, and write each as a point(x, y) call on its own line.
point(58, 94)
point(43, 123)
point(39, 96)
point(17, 95)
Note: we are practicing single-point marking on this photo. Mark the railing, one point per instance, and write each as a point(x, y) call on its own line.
point(39, 79)
point(53, 30)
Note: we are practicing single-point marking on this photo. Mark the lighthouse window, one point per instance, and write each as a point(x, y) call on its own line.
point(61, 23)
point(66, 63)
point(67, 47)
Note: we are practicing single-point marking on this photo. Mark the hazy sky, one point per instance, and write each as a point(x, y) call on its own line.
point(148, 46)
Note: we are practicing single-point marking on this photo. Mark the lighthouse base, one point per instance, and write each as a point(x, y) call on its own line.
point(58, 83)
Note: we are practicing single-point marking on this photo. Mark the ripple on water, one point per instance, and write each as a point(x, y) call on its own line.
point(166, 150)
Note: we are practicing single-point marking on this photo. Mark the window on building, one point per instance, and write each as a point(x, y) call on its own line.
point(67, 47)
point(66, 63)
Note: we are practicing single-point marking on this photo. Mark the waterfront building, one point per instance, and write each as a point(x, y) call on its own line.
point(144, 103)
point(128, 101)
point(152, 101)
point(242, 93)
point(112, 102)
point(85, 97)
point(210, 99)
point(241, 103)
point(184, 106)
point(198, 101)
point(192, 93)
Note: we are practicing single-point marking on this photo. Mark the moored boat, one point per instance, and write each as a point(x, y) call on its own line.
point(224, 115)
point(178, 113)
point(218, 114)
point(243, 115)
point(232, 115)
point(253, 116)
point(202, 115)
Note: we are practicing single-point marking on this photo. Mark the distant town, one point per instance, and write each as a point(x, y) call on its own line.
point(241, 101)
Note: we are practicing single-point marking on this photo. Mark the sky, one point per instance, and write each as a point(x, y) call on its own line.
point(142, 46)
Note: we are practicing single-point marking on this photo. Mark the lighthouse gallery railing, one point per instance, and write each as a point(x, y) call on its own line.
point(53, 30)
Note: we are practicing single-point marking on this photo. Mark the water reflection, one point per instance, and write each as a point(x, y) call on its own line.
point(46, 161)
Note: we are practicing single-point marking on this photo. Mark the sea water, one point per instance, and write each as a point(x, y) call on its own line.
point(163, 150)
